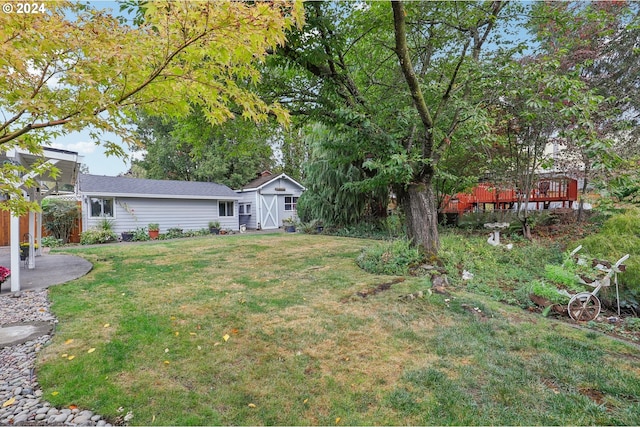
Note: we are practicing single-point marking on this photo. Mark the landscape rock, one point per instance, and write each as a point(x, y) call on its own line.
point(18, 378)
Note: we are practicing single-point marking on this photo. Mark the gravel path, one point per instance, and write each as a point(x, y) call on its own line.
point(21, 399)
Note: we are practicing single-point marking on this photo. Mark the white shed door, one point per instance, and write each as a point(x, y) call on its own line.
point(269, 212)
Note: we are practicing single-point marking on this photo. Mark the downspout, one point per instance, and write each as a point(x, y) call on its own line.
point(259, 206)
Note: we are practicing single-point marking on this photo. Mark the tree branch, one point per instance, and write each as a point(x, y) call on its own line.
point(402, 52)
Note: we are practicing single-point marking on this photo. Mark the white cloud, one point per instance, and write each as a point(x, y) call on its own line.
point(81, 147)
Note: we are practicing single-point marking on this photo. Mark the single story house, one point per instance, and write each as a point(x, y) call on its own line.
point(267, 200)
point(132, 203)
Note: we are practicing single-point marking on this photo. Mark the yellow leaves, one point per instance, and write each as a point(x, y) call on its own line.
point(226, 337)
point(338, 419)
point(71, 356)
point(251, 405)
point(55, 393)
point(9, 402)
point(166, 362)
point(106, 325)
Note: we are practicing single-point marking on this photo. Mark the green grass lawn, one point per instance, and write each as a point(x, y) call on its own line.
point(270, 329)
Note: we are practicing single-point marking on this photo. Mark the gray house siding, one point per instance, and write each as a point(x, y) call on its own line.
point(135, 203)
point(187, 214)
point(249, 199)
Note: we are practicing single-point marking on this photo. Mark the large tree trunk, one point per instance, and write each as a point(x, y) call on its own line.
point(419, 205)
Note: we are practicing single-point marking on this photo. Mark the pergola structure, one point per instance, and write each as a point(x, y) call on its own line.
point(67, 162)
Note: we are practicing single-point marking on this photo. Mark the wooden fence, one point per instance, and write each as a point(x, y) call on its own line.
point(5, 227)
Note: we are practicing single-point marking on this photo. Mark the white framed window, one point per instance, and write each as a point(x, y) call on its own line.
point(225, 208)
point(244, 209)
point(101, 207)
point(290, 203)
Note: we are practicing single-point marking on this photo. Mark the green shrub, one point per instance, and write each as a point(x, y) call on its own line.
point(105, 224)
point(94, 236)
point(140, 234)
point(59, 217)
point(550, 292)
point(393, 258)
point(51, 242)
point(310, 227)
point(620, 235)
point(173, 232)
point(561, 275)
point(195, 233)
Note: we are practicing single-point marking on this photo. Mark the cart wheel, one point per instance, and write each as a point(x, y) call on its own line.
point(584, 307)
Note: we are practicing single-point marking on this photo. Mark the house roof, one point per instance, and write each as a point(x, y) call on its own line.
point(264, 179)
point(98, 185)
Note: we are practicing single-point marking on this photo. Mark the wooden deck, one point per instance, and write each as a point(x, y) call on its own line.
point(486, 196)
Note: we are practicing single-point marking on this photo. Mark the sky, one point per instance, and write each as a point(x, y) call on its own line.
point(93, 156)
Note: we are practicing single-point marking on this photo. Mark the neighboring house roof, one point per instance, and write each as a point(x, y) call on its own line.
point(97, 185)
point(266, 178)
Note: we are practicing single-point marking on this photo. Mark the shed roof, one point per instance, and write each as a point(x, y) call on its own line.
point(266, 178)
point(155, 188)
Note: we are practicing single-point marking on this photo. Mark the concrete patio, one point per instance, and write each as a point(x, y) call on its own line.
point(50, 270)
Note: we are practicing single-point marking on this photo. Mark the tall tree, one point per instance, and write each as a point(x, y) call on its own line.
point(534, 104)
point(70, 67)
point(599, 41)
point(330, 175)
point(400, 78)
point(191, 149)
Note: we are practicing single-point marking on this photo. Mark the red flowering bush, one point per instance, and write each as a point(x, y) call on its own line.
point(4, 273)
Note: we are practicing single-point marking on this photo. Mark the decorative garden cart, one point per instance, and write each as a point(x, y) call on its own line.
point(585, 306)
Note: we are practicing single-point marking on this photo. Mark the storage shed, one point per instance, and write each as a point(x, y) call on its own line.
point(267, 200)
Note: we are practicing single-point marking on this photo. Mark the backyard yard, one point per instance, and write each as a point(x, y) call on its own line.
point(286, 329)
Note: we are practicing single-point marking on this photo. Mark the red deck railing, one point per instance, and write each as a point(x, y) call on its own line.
point(564, 190)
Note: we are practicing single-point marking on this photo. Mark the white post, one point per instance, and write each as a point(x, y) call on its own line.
point(32, 228)
point(15, 253)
